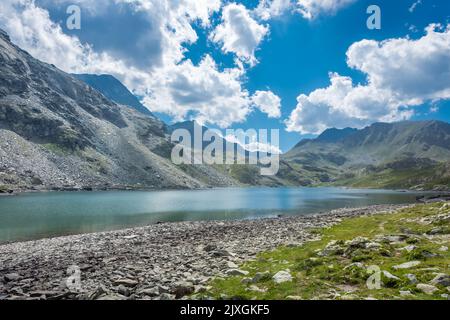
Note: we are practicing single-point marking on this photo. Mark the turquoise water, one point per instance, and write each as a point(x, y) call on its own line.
point(42, 215)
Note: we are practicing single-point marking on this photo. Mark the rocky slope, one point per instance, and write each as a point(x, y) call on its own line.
point(56, 132)
point(410, 154)
point(114, 90)
point(161, 261)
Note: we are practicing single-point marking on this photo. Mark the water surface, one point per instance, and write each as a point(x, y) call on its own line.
point(41, 215)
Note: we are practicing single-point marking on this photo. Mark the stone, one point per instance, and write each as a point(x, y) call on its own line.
point(121, 289)
point(97, 293)
point(435, 231)
point(394, 238)
point(373, 246)
point(163, 289)
point(232, 265)
point(389, 280)
point(332, 248)
point(236, 272)
point(166, 296)
point(358, 242)
point(210, 247)
point(406, 293)
point(358, 265)
point(256, 289)
point(294, 298)
point(260, 276)
point(407, 265)
point(282, 276)
point(427, 288)
point(151, 292)
point(126, 282)
point(441, 279)
point(409, 248)
point(443, 249)
point(411, 278)
point(11, 277)
point(222, 253)
point(390, 276)
point(183, 289)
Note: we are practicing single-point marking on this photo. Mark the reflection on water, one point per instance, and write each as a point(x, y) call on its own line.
point(39, 215)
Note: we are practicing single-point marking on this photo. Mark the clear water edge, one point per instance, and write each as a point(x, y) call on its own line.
point(31, 216)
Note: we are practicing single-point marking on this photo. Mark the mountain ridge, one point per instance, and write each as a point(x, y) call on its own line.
point(58, 133)
point(113, 89)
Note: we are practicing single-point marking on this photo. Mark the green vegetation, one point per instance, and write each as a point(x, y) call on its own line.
point(427, 178)
point(336, 267)
point(56, 149)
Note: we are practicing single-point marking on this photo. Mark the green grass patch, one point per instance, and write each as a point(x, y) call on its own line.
point(343, 274)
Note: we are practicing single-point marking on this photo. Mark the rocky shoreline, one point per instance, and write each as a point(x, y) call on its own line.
point(161, 261)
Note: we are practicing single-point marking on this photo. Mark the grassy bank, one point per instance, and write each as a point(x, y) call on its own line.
point(404, 255)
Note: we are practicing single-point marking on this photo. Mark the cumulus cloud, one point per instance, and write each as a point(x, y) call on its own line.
point(269, 9)
point(174, 85)
point(239, 33)
point(267, 102)
point(310, 9)
point(201, 92)
point(401, 74)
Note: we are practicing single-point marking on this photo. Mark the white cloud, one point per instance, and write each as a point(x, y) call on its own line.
point(239, 33)
point(414, 5)
point(267, 102)
point(269, 9)
point(174, 86)
point(310, 9)
point(414, 71)
point(401, 74)
point(202, 92)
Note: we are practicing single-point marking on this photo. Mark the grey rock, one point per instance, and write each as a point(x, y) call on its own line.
point(407, 265)
point(282, 276)
point(126, 282)
point(183, 289)
point(11, 277)
point(427, 288)
point(236, 272)
point(441, 279)
point(411, 278)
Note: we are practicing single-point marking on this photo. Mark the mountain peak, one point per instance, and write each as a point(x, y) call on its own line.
point(114, 90)
point(4, 35)
point(334, 134)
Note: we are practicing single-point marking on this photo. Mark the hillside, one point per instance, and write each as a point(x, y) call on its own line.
point(114, 90)
point(409, 154)
point(58, 133)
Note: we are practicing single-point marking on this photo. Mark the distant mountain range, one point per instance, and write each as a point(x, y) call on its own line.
point(409, 154)
point(68, 132)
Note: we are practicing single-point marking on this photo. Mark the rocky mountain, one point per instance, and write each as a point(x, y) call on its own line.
point(410, 154)
point(57, 132)
point(114, 90)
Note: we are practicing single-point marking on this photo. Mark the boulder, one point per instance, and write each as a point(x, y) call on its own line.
point(407, 265)
point(183, 289)
point(236, 272)
point(282, 276)
point(427, 288)
point(441, 279)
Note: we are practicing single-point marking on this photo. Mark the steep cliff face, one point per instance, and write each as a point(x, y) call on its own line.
point(56, 132)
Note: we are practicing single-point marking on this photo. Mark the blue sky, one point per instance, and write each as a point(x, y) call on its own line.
point(207, 61)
